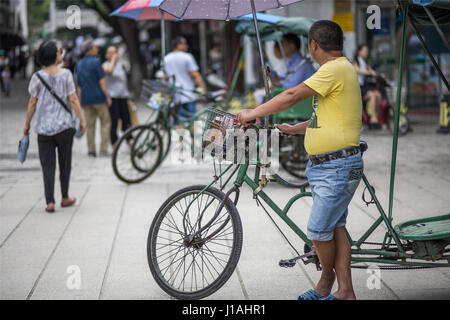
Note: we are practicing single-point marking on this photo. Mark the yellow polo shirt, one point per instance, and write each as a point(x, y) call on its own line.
point(337, 111)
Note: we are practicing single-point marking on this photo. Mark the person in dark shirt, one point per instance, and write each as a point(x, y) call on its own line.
point(95, 98)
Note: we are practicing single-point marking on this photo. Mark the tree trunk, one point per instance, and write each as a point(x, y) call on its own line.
point(130, 34)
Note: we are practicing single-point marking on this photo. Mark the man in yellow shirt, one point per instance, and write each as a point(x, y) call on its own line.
point(335, 165)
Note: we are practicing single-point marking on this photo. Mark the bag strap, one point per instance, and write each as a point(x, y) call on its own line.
point(53, 93)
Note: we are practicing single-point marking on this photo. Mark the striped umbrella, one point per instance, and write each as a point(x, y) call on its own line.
point(142, 10)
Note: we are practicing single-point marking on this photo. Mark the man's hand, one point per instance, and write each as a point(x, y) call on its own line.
point(288, 129)
point(245, 116)
point(109, 102)
point(275, 80)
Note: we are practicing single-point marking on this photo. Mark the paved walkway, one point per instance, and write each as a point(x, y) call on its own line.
point(103, 238)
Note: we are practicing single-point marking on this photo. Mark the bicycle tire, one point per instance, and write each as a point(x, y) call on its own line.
point(158, 267)
point(404, 123)
point(293, 161)
point(133, 134)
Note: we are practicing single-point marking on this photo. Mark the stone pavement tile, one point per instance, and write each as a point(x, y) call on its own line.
point(415, 279)
point(16, 204)
point(263, 248)
point(25, 254)
point(86, 245)
point(424, 294)
point(129, 276)
point(231, 290)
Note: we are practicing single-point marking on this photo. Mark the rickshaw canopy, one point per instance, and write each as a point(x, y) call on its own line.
point(297, 25)
point(440, 9)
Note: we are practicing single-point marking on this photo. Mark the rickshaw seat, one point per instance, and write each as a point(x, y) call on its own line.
point(432, 228)
point(302, 111)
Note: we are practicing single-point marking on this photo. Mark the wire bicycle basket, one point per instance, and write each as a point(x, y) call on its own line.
point(218, 133)
point(155, 93)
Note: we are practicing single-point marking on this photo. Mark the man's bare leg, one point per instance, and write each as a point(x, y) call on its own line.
point(326, 251)
point(342, 266)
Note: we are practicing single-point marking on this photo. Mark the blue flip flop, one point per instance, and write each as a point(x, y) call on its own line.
point(310, 295)
point(330, 297)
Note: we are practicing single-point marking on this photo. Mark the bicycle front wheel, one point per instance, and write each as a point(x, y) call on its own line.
point(194, 242)
point(137, 154)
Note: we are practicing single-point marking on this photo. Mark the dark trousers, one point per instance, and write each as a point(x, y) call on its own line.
point(119, 110)
point(47, 154)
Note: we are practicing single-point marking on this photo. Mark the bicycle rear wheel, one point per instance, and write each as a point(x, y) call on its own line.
point(190, 253)
point(137, 154)
point(293, 156)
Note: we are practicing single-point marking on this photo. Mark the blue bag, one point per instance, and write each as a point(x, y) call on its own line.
point(23, 148)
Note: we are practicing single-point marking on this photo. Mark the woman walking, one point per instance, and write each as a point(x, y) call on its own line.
point(54, 125)
point(117, 84)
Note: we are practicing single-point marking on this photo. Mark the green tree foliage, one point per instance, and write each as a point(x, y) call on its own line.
point(38, 13)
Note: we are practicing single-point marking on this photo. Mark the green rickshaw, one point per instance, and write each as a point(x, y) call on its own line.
point(195, 240)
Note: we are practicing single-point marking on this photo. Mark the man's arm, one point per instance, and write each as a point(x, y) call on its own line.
point(299, 128)
point(197, 77)
point(102, 83)
point(281, 102)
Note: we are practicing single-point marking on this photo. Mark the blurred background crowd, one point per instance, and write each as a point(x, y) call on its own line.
point(24, 24)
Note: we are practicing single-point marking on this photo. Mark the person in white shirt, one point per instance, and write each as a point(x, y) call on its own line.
point(368, 90)
point(181, 64)
point(117, 84)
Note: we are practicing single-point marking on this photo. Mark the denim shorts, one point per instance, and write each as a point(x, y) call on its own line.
point(186, 111)
point(333, 184)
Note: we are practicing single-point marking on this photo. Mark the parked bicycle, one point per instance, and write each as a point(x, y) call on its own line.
point(141, 149)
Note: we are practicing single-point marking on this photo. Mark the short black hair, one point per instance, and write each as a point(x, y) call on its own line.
point(328, 35)
point(47, 52)
point(293, 39)
point(175, 42)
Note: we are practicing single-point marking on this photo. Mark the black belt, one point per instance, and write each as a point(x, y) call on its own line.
point(335, 155)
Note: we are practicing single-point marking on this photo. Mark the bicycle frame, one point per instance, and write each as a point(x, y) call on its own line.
point(389, 253)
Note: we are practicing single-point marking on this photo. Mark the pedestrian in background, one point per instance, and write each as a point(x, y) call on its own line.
point(181, 64)
point(6, 80)
point(54, 125)
point(4, 61)
point(117, 83)
point(95, 98)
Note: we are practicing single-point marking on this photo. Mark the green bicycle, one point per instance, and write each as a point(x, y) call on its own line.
point(195, 240)
point(141, 149)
